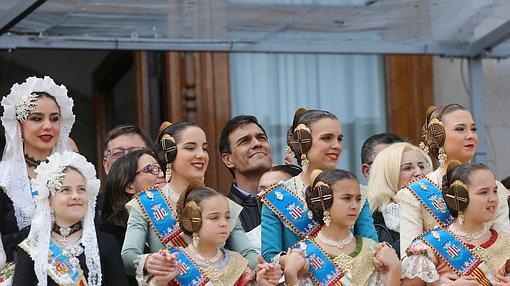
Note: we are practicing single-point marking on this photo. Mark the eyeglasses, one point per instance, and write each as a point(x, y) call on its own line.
point(150, 169)
point(116, 153)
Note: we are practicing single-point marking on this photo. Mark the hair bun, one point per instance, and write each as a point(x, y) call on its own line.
point(194, 184)
point(164, 125)
point(297, 116)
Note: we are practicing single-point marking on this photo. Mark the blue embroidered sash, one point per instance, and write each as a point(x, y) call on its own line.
point(457, 255)
point(60, 269)
point(322, 270)
point(291, 210)
point(189, 273)
point(160, 215)
point(431, 197)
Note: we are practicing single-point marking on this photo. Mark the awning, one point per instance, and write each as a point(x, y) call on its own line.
point(457, 28)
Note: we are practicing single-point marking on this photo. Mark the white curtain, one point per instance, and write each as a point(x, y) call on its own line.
point(272, 86)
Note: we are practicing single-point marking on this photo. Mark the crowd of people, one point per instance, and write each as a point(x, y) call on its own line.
point(304, 222)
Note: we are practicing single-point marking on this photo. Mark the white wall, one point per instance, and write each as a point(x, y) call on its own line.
point(449, 87)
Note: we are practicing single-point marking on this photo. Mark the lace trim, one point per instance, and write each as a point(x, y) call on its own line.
point(391, 215)
point(13, 171)
point(419, 266)
point(141, 277)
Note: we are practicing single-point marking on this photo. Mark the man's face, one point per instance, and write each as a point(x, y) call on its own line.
point(250, 150)
point(365, 168)
point(120, 146)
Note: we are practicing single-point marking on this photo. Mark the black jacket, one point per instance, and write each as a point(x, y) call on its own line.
point(384, 233)
point(11, 235)
point(250, 215)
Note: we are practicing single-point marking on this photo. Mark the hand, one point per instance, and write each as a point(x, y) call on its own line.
point(465, 281)
point(448, 278)
point(294, 261)
point(268, 273)
point(386, 258)
point(161, 263)
point(502, 280)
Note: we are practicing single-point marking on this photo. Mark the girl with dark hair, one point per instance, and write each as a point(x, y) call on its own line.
point(335, 256)
point(37, 119)
point(469, 251)
point(315, 138)
point(134, 172)
point(183, 150)
point(204, 214)
point(449, 133)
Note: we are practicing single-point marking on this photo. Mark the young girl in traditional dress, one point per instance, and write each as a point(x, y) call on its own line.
point(37, 119)
point(315, 138)
point(336, 256)
point(183, 151)
point(62, 247)
point(449, 134)
point(204, 214)
point(469, 251)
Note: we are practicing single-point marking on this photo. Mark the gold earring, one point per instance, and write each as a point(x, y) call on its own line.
point(327, 218)
point(461, 218)
point(442, 156)
point(196, 239)
point(168, 172)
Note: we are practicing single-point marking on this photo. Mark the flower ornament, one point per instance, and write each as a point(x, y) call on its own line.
point(24, 106)
point(55, 180)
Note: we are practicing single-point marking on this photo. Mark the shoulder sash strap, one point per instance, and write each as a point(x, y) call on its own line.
point(189, 273)
point(60, 269)
point(322, 270)
point(460, 259)
point(431, 197)
point(291, 210)
point(160, 216)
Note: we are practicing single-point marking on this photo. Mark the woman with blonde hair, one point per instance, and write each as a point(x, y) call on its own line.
point(392, 169)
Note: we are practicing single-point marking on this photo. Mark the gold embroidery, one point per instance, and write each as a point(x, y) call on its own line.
point(230, 273)
point(363, 265)
point(498, 253)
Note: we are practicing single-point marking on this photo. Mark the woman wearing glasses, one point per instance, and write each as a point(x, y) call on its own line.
point(392, 169)
point(183, 149)
point(131, 173)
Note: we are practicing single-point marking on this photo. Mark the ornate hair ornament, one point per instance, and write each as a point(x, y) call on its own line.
point(458, 193)
point(55, 180)
point(168, 147)
point(301, 142)
point(320, 187)
point(25, 105)
point(192, 217)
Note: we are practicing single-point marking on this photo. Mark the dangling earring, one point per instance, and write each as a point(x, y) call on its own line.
point(327, 218)
point(196, 239)
point(442, 156)
point(168, 172)
point(52, 216)
point(461, 218)
point(288, 152)
point(304, 163)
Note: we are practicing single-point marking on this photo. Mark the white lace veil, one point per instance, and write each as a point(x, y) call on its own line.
point(40, 232)
point(13, 171)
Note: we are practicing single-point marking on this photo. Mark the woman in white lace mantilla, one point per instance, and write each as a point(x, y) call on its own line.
point(470, 192)
point(392, 169)
point(63, 247)
point(37, 119)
